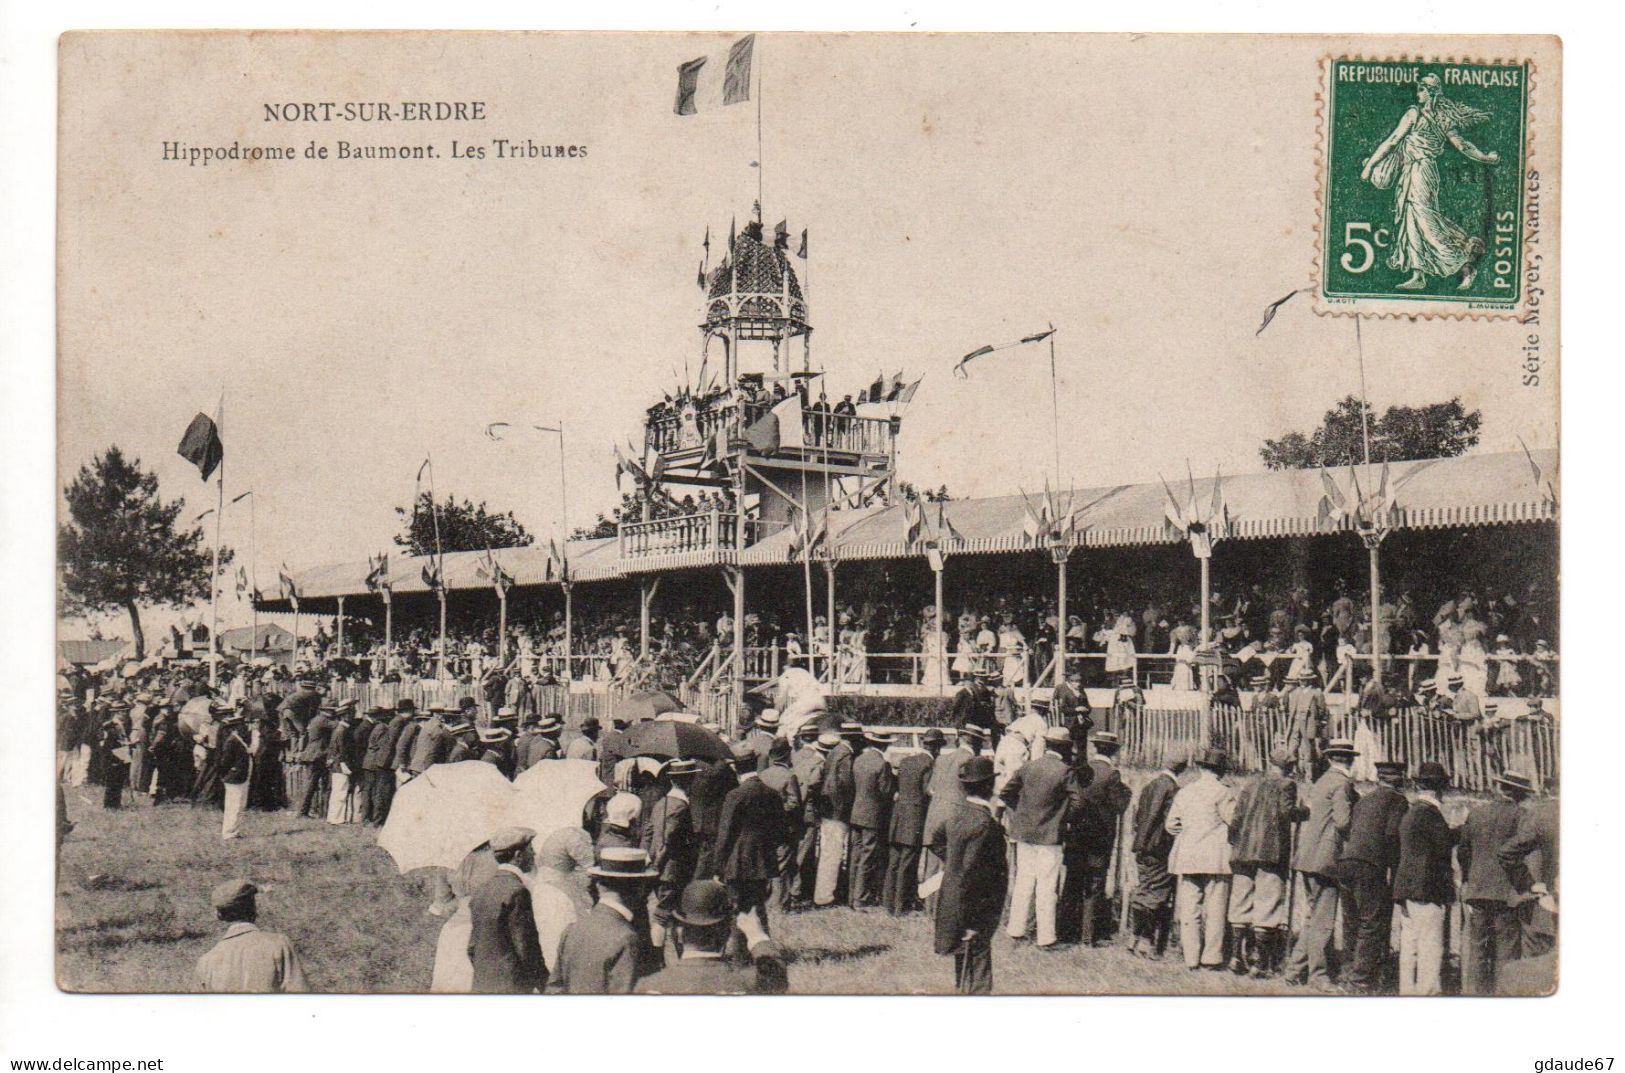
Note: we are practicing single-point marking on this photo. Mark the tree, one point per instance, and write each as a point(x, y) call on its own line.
point(462, 527)
point(1401, 434)
point(121, 549)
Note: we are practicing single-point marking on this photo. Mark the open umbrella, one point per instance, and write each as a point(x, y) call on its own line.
point(636, 707)
point(438, 817)
point(552, 793)
point(195, 715)
point(669, 740)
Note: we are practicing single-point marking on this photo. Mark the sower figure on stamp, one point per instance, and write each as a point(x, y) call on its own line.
point(1426, 241)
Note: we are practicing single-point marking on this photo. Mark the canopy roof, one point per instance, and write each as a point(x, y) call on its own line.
point(1471, 491)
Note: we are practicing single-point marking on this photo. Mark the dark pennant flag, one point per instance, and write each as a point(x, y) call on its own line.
point(201, 445)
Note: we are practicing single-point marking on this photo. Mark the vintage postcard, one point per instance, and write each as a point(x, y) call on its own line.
point(808, 513)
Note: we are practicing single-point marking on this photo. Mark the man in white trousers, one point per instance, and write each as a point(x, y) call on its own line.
point(1040, 796)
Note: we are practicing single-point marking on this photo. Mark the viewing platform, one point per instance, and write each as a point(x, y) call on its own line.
point(771, 427)
point(704, 539)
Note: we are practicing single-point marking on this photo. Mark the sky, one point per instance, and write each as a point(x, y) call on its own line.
point(1147, 196)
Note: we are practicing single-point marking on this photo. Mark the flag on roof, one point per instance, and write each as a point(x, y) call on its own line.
point(201, 446)
point(809, 535)
point(242, 582)
point(802, 252)
point(913, 521)
point(378, 573)
point(491, 570)
point(908, 393)
point(290, 591)
point(944, 526)
point(431, 574)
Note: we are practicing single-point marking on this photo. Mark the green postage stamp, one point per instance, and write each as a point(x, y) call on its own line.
point(1423, 174)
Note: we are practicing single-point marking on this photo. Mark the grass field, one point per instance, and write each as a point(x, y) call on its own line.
point(133, 915)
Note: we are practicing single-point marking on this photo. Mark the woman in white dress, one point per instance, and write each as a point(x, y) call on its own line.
point(1014, 646)
point(1182, 646)
point(965, 657)
point(1472, 660)
point(1302, 652)
point(987, 642)
point(1118, 638)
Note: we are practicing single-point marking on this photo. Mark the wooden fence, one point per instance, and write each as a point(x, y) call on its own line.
point(1473, 753)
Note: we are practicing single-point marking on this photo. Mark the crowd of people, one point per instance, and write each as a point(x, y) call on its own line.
point(1502, 645)
point(681, 864)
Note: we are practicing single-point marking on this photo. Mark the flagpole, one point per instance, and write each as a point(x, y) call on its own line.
point(214, 578)
point(253, 580)
point(440, 570)
point(761, 165)
point(1374, 541)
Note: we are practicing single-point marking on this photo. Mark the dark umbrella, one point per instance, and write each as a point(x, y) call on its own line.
point(636, 707)
point(669, 740)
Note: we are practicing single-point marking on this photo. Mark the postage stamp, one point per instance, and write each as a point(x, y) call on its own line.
point(1421, 187)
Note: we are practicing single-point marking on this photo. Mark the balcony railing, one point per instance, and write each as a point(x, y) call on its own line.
point(684, 534)
point(846, 433)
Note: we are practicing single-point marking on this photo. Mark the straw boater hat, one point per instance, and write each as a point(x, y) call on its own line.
point(1058, 738)
point(1455, 680)
point(623, 863)
point(1428, 685)
point(1105, 738)
point(1340, 747)
point(550, 725)
point(769, 719)
point(495, 735)
point(680, 767)
point(828, 740)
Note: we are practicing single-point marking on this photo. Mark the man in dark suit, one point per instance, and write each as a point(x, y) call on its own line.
point(873, 786)
point(749, 836)
point(1261, 867)
point(907, 832)
point(1090, 836)
point(296, 712)
point(318, 734)
point(406, 739)
point(612, 749)
point(502, 942)
point(778, 777)
point(1152, 903)
point(971, 845)
point(974, 706)
point(1530, 856)
point(1424, 885)
point(377, 776)
point(834, 815)
point(710, 787)
point(1040, 796)
point(762, 735)
point(602, 952)
point(1487, 888)
point(705, 918)
point(432, 742)
point(1365, 875)
point(1070, 705)
point(669, 840)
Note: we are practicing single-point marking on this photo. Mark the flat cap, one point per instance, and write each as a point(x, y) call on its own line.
point(232, 891)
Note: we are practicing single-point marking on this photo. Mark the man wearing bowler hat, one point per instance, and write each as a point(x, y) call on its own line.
point(705, 917)
point(503, 944)
point(1424, 884)
point(584, 746)
point(1365, 876)
point(246, 959)
point(1152, 902)
point(1487, 888)
point(971, 899)
point(1328, 809)
point(600, 953)
point(779, 778)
